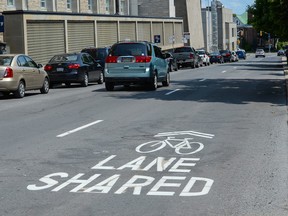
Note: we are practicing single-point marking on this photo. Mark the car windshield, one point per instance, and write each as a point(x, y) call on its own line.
point(129, 49)
point(6, 60)
point(64, 58)
point(214, 53)
point(259, 50)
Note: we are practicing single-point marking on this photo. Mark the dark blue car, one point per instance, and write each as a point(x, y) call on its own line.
point(241, 54)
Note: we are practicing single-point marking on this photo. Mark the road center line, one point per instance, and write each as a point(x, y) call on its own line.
point(79, 128)
point(223, 71)
point(202, 80)
point(172, 92)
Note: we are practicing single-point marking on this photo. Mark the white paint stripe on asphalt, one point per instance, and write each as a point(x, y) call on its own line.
point(79, 128)
point(223, 71)
point(172, 92)
point(202, 80)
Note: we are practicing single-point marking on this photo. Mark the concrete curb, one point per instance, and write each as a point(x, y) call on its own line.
point(285, 68)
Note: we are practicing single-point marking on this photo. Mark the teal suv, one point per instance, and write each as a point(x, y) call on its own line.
point(130, 63)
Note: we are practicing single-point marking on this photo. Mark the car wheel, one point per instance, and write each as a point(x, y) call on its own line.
point(45, 88)
point(68, 84)
point(167, 80)
point(101, 78)
point(109, 86)
point(178, 66)
point(84, 83)
point(20, 92)
point(154, 83)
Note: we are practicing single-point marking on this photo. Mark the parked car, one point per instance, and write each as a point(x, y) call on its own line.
point(205, 56)
point(216, 57)
point(281, 53)
point(74, 68)
point(186, 56)
point(137, 62)
point(199, 60)
point(260, 52)
point(241, 54)
point(234, 56)
point(99, 54)
point(227, 55)
point(172, 63)
point(19, 73)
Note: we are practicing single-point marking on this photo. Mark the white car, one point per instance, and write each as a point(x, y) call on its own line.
point(260, 52)
point(204, 55)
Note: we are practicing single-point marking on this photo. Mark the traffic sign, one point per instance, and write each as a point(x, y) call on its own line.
point(157, 38)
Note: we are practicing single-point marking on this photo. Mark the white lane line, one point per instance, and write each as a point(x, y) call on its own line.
point(202, 80)
point(223, 71)
point(79, 128)
point(172, 92)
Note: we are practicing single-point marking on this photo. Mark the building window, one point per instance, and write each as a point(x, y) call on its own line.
point(89, 4)
point(43, 3)
point(107, 6)
point(122, 7)
point(69, 4)
point(11, 2)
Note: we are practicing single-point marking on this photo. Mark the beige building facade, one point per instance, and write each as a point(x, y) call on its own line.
point(227, 29)
point(44, 34)
point(190, 11)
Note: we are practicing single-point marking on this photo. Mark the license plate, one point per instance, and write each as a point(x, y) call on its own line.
point(60, 69)
point(126, 59)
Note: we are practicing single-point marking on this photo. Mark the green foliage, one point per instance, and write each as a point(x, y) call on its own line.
point(282, 45)
point(270, 16)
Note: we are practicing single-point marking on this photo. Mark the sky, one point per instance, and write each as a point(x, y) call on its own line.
point(237, 6)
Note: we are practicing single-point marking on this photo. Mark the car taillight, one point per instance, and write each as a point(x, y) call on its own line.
point(48, 67)
point(228, 54)
point(191, 55)
point(8, 73)
point(142, 59)
point(111, 59)
point(73, 66)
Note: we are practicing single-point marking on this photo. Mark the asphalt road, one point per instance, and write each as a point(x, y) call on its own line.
point(81, 151)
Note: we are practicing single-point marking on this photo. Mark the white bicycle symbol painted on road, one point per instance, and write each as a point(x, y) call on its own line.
point(182, 146)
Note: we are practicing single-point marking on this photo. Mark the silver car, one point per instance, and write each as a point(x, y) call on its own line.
point(260, 52)
point(18, 73)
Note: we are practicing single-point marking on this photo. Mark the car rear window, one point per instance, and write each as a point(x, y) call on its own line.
point(6, 60)
point(182, 49)
point(64, 58)
point(201, 52)
point(130, 49)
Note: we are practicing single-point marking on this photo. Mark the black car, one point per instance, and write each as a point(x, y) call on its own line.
point(99, 54)
point(227, 55)
point(216, 57)
point(74, 68)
